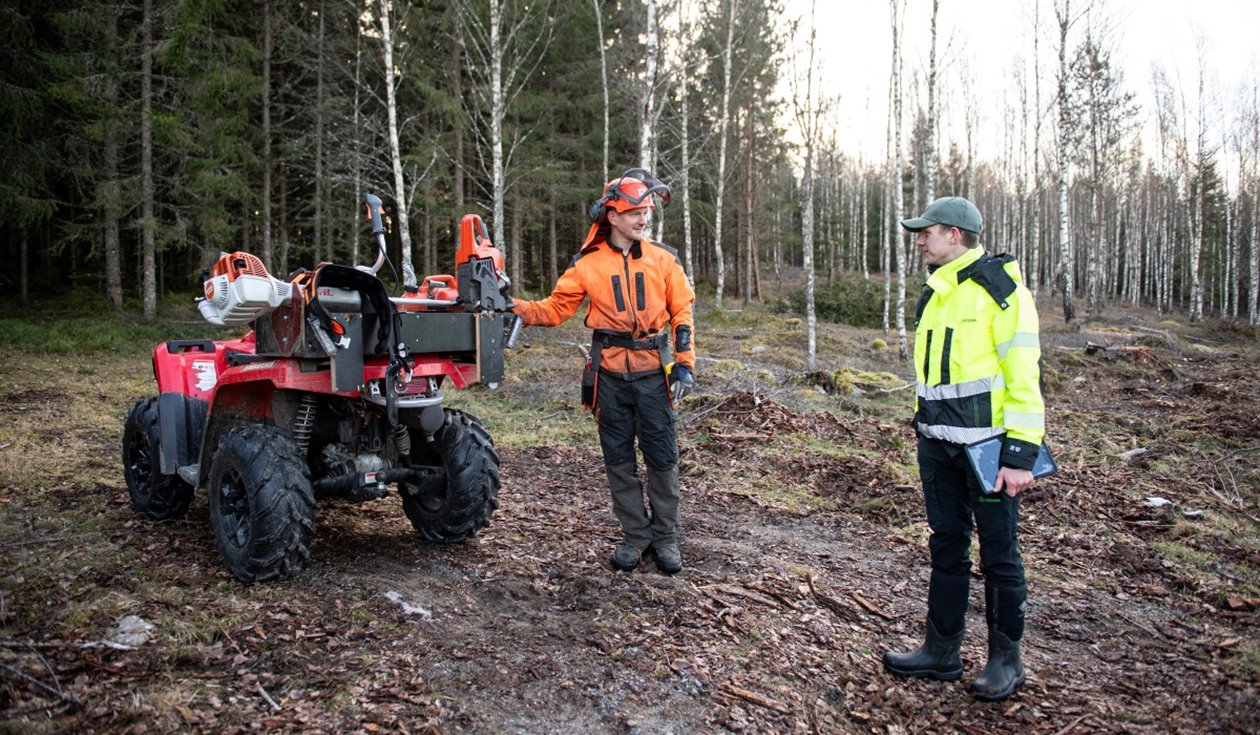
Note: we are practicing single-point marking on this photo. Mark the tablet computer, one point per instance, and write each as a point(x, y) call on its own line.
point(984, 458)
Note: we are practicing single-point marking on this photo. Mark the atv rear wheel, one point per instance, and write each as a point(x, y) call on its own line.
point(453, 506)
point(154, 495)
point(262, 507)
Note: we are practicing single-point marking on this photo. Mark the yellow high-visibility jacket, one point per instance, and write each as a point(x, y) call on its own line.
point(976, 353)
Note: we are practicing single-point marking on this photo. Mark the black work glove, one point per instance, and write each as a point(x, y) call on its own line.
point(680, 382)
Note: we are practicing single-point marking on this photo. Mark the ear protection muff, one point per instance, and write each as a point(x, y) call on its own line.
point(599, 207)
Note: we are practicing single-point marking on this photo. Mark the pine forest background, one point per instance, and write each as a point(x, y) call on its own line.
point(142, 138)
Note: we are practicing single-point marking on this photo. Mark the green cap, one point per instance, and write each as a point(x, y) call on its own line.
point(948, 211)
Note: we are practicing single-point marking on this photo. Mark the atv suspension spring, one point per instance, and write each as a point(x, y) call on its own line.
point(402, 439)
point(304, 422)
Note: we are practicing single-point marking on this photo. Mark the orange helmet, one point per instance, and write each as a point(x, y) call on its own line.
point(631, 190)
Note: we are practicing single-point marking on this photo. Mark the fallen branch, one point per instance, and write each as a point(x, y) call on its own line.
point(267, 697)
point(870, 606)
point(889, 390)
point(60, 695)
point(829, 602)
point(758, 699)
point(731, 589)
point(1072, 725)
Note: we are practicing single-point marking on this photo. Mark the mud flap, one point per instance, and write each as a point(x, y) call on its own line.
point(183, 421)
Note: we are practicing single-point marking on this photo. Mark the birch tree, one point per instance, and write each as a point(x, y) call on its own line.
point(1105, 114)
point(1251, 133)
point(684, 172)
point(808, 113)
point(719, 261)
point(395, 150)
point(1063, 16)
point(929, 168)
point(507, 47)
point(898, 8)
point(603, 79)
point(647, 94)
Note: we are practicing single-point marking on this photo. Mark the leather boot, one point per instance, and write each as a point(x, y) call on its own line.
point(938, 657)
point(1004, 673)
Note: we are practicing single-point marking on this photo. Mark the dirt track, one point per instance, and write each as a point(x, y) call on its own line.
point(805, 560)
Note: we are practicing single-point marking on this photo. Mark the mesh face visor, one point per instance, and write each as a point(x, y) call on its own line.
point(651, 185)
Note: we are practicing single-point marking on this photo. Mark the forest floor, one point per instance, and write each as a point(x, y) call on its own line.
point(804, 542)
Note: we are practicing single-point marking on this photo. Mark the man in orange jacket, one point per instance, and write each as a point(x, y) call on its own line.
point(640, 301)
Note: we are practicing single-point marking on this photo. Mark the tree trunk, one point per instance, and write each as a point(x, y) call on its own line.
point(684, 174)
point(723, 120)
point(515, 238)
point(808, 119)
point(395, 152)
point(899, 316)
point(552, 244)
point(357, 137)
point(1065, 240)
point(603, 79)
point(148, 227)
point(1253, 304)
point(267, 255)
point(647, 101)
point(929, 167)
point(112, 189)
point(750, 238)
point(320, 112)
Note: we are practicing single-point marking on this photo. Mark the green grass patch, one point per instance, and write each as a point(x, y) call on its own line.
point(94, 334)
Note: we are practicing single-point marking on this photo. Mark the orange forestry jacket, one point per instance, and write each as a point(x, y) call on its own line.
point(636, 294)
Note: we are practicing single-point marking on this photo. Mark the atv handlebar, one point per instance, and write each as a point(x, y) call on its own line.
point(374, 212)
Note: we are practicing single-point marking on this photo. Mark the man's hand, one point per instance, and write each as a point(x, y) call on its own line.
point(1013, 481)
point(680, 382)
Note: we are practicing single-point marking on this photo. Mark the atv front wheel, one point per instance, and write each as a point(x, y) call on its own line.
point(154, 495)
point(455, 505)
point(262, 507)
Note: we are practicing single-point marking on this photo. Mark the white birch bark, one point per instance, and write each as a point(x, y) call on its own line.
point(684, 175)
point(807, 118)
point(719, 261)
point(929, 167)
point(899, 314)
point(647, 99)
point(1062, 15)
point(395, 152)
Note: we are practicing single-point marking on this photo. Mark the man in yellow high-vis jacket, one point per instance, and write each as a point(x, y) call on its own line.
point(977, 353)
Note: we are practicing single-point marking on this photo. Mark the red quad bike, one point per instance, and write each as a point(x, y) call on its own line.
point(336, 392)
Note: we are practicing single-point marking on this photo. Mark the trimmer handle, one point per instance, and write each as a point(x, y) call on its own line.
point(375, 213)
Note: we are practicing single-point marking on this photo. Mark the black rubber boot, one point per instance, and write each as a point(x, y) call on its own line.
point(1004, 673)
point(938, 657)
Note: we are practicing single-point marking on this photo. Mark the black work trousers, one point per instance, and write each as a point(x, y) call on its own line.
point(636, 408)
point(956, 505)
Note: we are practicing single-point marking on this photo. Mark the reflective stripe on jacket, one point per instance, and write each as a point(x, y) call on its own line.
point(977, 363)
point(637, 293)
